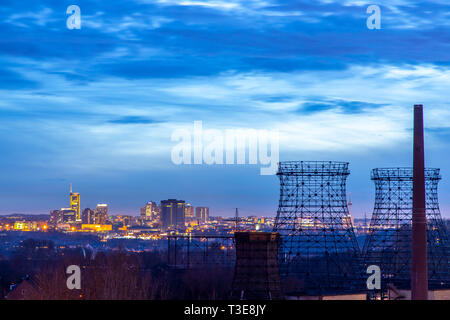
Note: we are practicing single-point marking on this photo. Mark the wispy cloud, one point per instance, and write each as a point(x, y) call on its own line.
point(104, 100)
point(29, 18)
point(133, 120)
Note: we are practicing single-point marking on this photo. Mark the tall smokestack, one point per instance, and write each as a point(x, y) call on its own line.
point(419, 272)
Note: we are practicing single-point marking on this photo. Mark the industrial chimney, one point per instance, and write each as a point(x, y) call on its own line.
point(419, 272)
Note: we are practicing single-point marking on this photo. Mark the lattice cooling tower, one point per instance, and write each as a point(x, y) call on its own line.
point(388, 244)
point(319, 247)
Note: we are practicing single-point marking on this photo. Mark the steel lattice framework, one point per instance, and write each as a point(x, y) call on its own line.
point(318, 245)
point(190, 252)
point(388, 244)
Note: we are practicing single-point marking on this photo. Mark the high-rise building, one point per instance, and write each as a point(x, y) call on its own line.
point(68, 215)
point(75, 204)
point(101, 213)
point(142, 211)
point(88, 216)
point(172, 214)
point(189, 211)
point(150, 212)
point(202, 214)
point(55, 217)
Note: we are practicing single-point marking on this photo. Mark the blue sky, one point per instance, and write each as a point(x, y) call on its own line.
point(97, 106)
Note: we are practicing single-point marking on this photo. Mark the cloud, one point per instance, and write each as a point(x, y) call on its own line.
point(14, 81)
point(27, 19)
point(361, 108)
point(349, 107)
point(214, 4)
point(115, 90)
point(172, 39)
point(133, 120)
point(127, 27)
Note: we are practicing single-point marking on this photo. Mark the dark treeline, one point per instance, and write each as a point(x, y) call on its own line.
point(114, 274)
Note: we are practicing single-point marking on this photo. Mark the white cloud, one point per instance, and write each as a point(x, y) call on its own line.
point(217, 4)
point(40, 18)
point(230, 100)
point(125, 27)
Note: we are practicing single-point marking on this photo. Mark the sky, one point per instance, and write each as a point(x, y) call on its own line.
point(98, 106)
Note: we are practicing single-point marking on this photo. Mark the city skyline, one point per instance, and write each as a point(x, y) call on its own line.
point(77, 207)
point(97, 106)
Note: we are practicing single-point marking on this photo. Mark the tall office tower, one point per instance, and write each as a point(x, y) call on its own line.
point(202, 214)
point(101, 213)
point(88, 216)
point(142, 212)
point(156, 213)
point(151, 210)
point(75, 204)
point(55, 217)
point(148, 211)
point(388, 244)
point(172, 214)
point(189, 211)
point(318, 255)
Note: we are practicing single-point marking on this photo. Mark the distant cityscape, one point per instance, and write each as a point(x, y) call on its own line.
point(169, 217)
point(154, 221)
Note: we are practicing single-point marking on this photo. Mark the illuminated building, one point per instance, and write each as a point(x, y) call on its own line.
point(150, 212)
point(347, 222)
point(75, 204)
point(202, 214)
point(88, 216)
point(96, 227)
point(21, 225)
point(121, 220)
point(55, 217)
point(189, 211)
point(101, 213)
point(172, 214)
point(306, 222)
point(68, 215)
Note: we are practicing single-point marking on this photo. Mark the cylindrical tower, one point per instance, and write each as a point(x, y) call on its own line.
point(319, 251)
point(419, 272)
point(388, 243)
point(256, 275)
